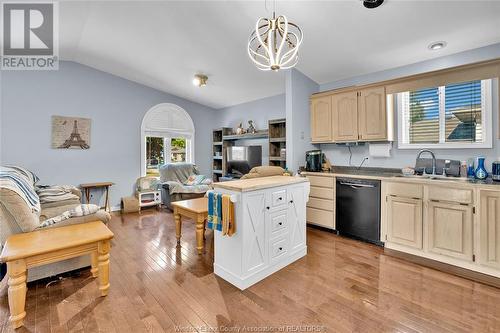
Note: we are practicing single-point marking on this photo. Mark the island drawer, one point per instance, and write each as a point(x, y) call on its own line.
point(278, 221)
point(324, 204)
point(278, 198)
point(278, 248)
point(321, 192)
point(320, 181)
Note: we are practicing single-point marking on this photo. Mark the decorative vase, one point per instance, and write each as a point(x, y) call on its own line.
point(481, 172)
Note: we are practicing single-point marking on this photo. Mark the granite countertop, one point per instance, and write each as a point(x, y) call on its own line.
point(384, 173)
point(253, 184)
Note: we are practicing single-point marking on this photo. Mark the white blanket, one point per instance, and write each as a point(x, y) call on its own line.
point(80, 210)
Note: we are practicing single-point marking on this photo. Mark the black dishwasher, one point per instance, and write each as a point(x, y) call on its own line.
point(358, 209)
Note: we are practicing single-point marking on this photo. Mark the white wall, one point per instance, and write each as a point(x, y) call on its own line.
point(116, 107)
point(339, 155)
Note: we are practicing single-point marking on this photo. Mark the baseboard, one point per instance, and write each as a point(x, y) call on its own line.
point(447, 268)
point(116, 208)
point(244, 283)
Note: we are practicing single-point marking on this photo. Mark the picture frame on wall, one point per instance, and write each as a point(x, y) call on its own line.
point(70, 132)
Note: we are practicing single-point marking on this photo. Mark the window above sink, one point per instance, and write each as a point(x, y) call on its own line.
point(457, 115)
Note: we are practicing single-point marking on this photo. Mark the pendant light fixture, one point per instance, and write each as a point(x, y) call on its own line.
point(275, 43)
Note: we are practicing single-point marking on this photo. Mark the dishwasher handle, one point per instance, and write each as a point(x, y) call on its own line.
point(356, 186)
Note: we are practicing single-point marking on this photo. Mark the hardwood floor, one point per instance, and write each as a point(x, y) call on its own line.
point(340, 286)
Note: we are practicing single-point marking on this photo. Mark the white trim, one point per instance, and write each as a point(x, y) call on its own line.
point(487, 122)
point(189, 135)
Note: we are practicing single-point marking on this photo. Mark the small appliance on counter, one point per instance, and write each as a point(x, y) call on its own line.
point(314, 160)
point(495, 170)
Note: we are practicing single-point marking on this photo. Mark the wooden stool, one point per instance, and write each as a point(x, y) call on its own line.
point(26, 250)
point(196, 209)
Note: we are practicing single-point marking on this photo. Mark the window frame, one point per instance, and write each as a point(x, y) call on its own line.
point(164, 131)
point(487, 122)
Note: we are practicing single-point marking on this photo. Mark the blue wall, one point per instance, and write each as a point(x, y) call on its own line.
point(339, 155)
point(116, 107)
point(298, 89)
point(260, 111)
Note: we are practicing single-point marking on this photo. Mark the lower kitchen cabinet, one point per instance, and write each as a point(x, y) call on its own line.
point(489, 229)
point(320, 207)
point(453, 224)
point(404, 221)
point(450, 229)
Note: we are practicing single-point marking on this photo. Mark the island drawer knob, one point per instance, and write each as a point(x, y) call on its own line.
point(267, 207)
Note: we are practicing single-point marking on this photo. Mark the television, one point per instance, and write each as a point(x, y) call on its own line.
point(240, 159)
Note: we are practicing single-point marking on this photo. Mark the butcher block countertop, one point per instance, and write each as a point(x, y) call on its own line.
point(253, 184)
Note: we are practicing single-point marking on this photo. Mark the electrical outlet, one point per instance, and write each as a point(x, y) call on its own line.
point(302, 135)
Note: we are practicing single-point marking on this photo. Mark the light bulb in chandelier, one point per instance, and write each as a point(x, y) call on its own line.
point(275, 43)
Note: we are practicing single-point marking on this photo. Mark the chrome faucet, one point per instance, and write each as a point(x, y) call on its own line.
point(433, 159)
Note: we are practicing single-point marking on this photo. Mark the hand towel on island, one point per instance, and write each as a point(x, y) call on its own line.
point(214, 220)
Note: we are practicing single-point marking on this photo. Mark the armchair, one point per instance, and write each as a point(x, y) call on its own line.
point(173, 177)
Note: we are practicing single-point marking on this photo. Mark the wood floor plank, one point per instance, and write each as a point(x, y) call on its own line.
point(342, 285)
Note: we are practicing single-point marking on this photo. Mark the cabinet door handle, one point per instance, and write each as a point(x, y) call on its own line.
point(280, 198)
point(267, 207)
point(291, 201)
point(280, 248)
point(281, 223)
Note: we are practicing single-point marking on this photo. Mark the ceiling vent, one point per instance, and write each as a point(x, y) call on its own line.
point(372, 3)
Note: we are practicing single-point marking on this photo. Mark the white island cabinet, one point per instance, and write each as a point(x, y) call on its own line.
point(270, 215)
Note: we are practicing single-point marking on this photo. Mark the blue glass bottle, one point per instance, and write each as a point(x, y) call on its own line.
point(481, 172)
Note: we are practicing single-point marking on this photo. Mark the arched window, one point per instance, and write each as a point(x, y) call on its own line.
point(167, 135)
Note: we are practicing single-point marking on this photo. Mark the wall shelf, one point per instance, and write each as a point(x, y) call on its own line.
point(277, 142)
point(258, 135)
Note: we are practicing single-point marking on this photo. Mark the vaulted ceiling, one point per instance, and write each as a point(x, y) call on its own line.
point(162, 44)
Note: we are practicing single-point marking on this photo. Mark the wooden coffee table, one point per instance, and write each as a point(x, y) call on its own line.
point(26, 250)
point(195, 209)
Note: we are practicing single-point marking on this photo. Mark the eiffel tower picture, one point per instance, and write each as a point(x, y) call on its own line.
point(79, 136)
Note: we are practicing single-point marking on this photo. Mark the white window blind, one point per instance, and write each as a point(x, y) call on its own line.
point(452, 116)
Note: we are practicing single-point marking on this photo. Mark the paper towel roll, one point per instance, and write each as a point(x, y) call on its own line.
point(380, 149)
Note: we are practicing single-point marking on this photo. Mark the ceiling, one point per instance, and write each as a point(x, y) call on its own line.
point(162, 44)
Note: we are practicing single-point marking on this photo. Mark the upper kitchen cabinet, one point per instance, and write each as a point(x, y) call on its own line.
point(321, 119)
point(372, 114)
point(351, 116)
point(345, 117)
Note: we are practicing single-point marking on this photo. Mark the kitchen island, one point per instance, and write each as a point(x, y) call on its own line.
point(270, 217)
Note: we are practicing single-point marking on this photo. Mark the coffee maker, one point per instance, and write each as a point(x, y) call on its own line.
point(314, 159)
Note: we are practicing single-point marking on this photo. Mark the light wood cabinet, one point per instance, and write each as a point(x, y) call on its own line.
point(489, 229)
point(321, 119)
point(351, 116)
point(449, 230)
point(320, 207)
point(345, 117)
point(372, 114)
point(404, 221)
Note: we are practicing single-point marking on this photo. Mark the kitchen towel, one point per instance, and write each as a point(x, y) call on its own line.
point(228, 223)
point(214, 220)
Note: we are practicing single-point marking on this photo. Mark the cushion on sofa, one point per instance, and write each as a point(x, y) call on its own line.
point(24, 217)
